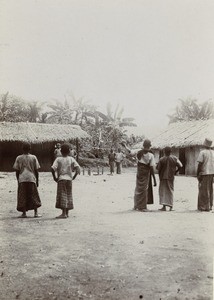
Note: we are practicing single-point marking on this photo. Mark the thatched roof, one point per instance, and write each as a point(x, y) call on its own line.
point(184, 134)
point(39, 132)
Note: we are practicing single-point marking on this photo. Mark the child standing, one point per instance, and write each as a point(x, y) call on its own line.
point(64, 166)
point(26, 166)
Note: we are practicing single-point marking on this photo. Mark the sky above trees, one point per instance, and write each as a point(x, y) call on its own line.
point(142, 55)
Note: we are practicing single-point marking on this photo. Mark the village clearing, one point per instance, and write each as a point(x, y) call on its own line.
point(105, 250)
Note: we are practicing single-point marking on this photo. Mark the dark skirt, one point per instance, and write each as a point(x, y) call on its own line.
point(64, 198)
point(205, 193)
point(150, 191)
point(28, 196)
point(142, 184)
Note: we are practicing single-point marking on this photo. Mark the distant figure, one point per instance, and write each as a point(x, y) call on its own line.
point(167, 167)
point(111, 159)
point(57, 151)
point(205, 172)
point(26, 166)
point(72, 152)
point(119, 157)
point(64, 166)
point(145, 167)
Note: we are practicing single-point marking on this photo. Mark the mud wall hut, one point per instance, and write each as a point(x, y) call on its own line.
point(42, 137)
point(186, 140)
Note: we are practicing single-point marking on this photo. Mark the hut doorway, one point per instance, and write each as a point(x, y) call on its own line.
point(182, 158)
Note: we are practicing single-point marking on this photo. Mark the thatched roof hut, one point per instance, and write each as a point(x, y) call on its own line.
point(186, 140)
point(36, 133)
point(42, 137)
point(185, 134)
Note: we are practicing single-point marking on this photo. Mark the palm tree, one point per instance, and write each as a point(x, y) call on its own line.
point(113, 125)
point(61, 113)
point(35, 112)
point(189, 109)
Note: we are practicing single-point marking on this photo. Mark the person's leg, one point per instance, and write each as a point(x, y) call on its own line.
point(67, 212)
point(63, 214)
point(163, 208)
point(24, 215)
point(36, 215)
point(204, 194)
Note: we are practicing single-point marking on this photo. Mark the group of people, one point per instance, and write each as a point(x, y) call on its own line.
point(115, 158)
point(27, 165)
point(167, 167)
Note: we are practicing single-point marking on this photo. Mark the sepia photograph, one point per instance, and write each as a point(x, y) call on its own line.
point(106, 149)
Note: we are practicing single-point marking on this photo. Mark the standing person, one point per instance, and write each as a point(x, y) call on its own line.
point(57, 151)
point(64, 166)
point(26, 166)
point(72, 152)
point(119, 156)
point(205, 173)
point(111, 159)
point(145, 167)
point(167, 167)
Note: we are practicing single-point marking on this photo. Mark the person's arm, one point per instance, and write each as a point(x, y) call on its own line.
point(76, 172)
point(152, 164)
point(178, 166)
point(200, 164)
point(199, 169)
point(153, 175)
point(158, 167)
point(131, 152)
point(17, 174)
point(37, 177)
point(54, 175)
point(76, 168)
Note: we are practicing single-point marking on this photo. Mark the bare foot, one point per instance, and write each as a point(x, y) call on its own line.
point(23, 216)
point(37, 216)
point(61, 217)
point(162, 209)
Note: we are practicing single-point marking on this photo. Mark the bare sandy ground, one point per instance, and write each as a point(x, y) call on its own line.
point(105, 250)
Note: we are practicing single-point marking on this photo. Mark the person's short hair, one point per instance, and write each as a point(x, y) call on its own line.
point(65, 149)
point(26, 147)
point(167, 150)
point(147, 144)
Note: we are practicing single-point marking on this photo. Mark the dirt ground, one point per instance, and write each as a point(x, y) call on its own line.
point(105, 250)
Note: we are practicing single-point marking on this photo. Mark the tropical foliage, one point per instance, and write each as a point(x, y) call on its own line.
point(106, 129)
point(190, 109)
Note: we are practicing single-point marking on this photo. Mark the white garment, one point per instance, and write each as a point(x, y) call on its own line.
point(206, 157)
point(147, 158)
point(64, 165)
